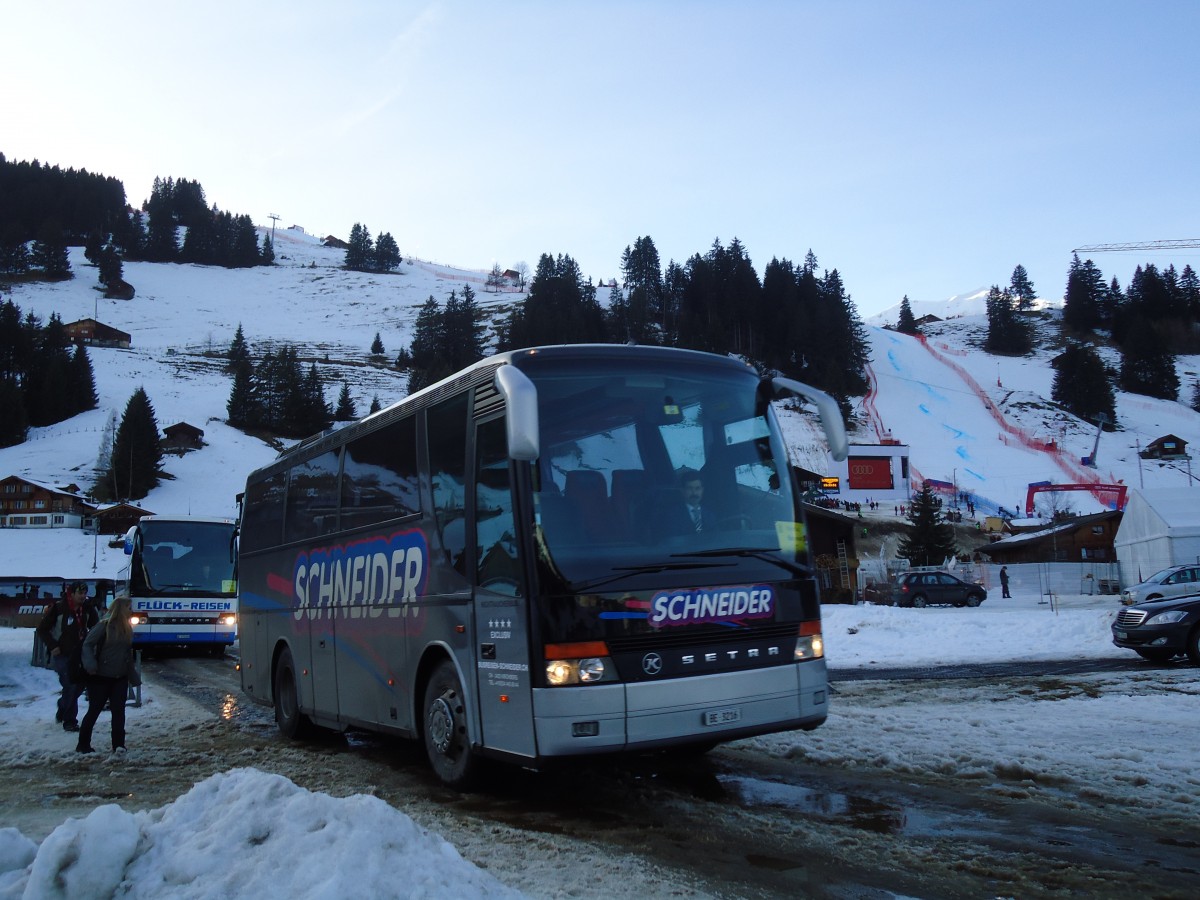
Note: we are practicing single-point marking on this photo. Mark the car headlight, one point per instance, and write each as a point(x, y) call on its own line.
point(1167, 618)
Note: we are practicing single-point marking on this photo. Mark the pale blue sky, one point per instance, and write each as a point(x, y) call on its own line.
point(920, 148)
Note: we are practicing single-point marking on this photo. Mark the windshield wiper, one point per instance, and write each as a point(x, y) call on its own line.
point(763, 553)
point(620, 572)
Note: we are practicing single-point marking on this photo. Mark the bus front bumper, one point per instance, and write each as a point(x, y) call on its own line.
point(708, 708)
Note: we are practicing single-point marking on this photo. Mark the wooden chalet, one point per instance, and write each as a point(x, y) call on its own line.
point(28, 504)
point(118, 518)
point(1082, 539)
point(181, 437)
point(1168, 446)
point(89, 331)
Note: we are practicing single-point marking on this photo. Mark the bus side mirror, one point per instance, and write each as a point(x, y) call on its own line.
point(521, 420)
point(130, 536)
point(831, 415)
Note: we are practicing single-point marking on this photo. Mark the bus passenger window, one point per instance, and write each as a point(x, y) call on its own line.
point(379, 476)
point(262, 520)
point(312, 499)
point(446, 427)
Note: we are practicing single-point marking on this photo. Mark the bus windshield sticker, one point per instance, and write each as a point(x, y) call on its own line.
point(690, 606)
point(746, 430)
point(378, 573)
point(792, 538)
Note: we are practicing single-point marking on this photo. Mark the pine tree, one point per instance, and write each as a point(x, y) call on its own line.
point(375, 407)
point(907, 323)
point(360, 254)
point(1082, 304)
point(112, 271)
point(1022, 288)
point(14, 423)
point(83, 382)
point(137, 452)
point(238, 355)
point(495, 279)
point(930, 541)
point(387, 253)
point(267, 258)
point(1147, 367)
point(345, 411)
point(1081, 384)
point(50, 252)
point(243, 405)
point(1007, 332)
point(377, 346)
point(162, 236)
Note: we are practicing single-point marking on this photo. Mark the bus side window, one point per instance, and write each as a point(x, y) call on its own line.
point(446, 428)
point(379, 475)
point(262, 521)
point(312, 498)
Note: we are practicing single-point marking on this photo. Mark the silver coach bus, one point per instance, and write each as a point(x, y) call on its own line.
point(495, 564)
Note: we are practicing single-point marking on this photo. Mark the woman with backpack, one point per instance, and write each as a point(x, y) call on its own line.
point(108, 660)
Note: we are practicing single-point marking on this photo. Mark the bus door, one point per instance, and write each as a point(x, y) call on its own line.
point(501, 602)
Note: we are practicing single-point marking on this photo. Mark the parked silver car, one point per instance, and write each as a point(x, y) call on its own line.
point(1172, 582)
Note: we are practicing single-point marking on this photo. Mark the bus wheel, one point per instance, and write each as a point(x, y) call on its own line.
point(445, 730)
point(291, 721)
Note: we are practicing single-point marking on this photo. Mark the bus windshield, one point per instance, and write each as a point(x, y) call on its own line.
point(655, 467)
point(192, 558)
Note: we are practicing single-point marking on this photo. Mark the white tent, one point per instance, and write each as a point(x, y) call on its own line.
point(1161, 528)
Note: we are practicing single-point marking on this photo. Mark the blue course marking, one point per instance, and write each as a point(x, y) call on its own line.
point(976, 474)
point(923, 408)
point(962, 452)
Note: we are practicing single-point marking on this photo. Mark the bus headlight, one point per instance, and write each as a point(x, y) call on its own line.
point(810, 646)
point(585, 662)
point(137, 619)
point(560, 672)
point(229, 619)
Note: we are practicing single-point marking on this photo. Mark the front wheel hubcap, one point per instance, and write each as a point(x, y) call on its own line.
point(440, 725)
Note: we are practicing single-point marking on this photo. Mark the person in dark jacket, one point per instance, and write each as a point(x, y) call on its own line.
point(62, 629)
point(688, 514)
point(108, 659)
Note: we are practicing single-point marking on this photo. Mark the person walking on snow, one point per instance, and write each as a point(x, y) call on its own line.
point(108, 659)
point(62, 629)
point(1004, 583)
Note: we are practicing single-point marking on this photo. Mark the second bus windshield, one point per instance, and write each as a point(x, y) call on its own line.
point(187, 557)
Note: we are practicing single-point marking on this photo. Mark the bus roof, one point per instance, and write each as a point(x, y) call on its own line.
point(199, 520)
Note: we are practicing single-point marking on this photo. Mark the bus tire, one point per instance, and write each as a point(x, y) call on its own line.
point(444, 730)
point(291, 721)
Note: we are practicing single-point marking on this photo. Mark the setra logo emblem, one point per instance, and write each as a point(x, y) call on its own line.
point(652, 663)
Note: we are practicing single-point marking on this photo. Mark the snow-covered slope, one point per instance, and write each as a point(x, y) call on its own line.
point(986, 423)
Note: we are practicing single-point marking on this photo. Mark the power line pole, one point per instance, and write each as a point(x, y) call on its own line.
point(274, 218)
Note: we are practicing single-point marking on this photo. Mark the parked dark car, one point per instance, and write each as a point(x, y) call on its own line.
point(922, 589)
point(1159, 630)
